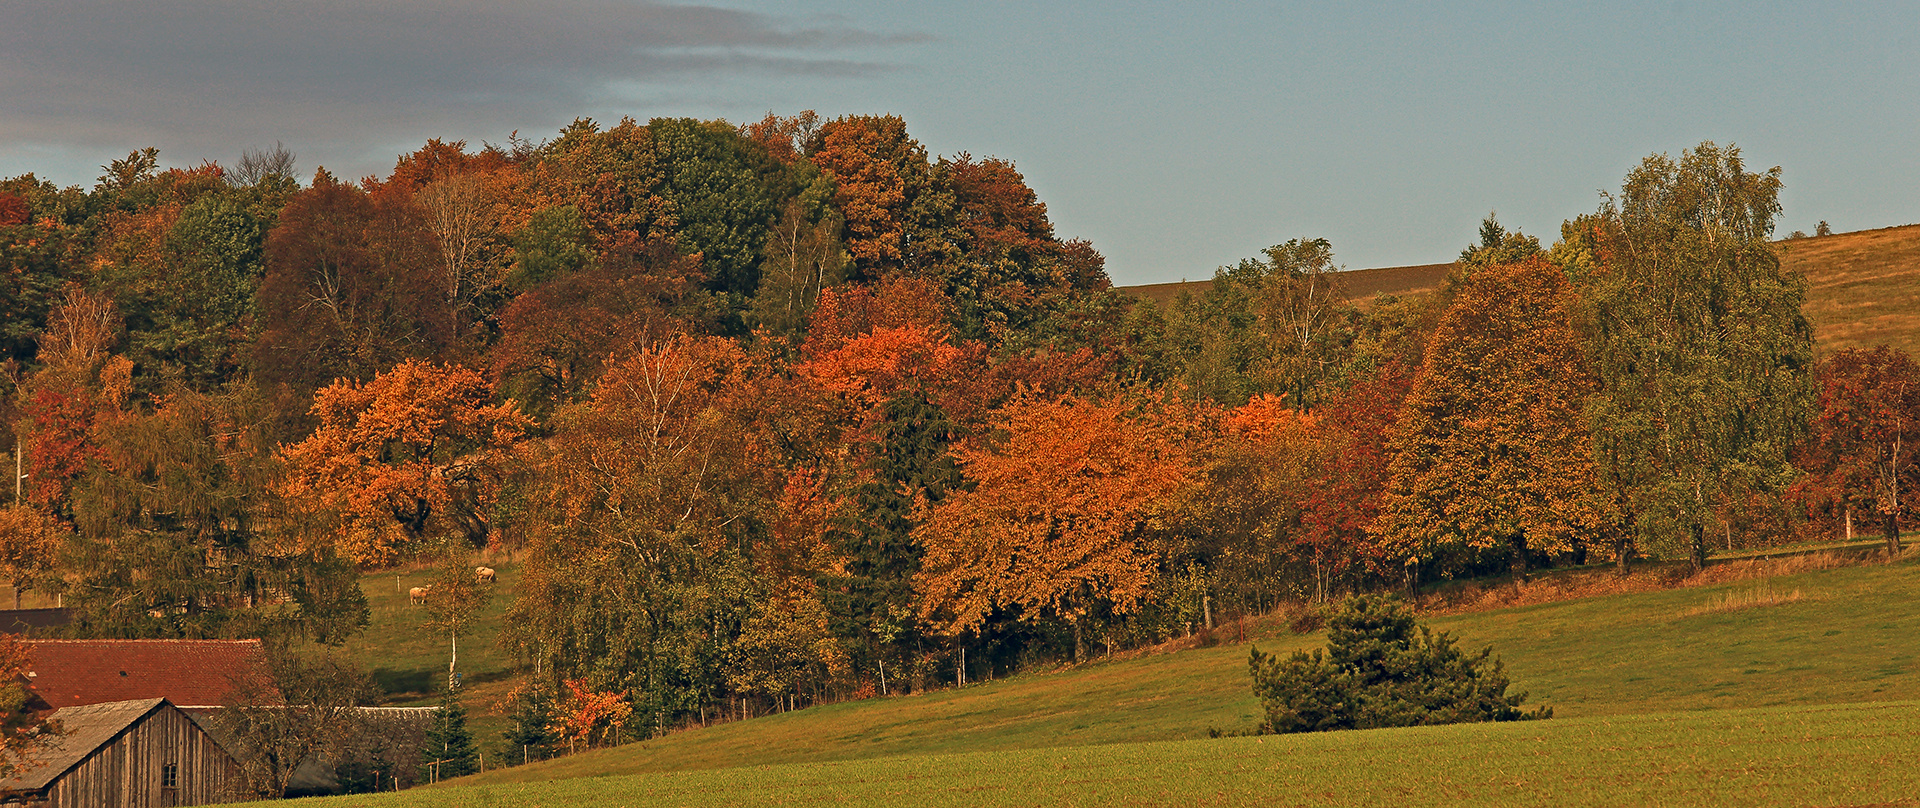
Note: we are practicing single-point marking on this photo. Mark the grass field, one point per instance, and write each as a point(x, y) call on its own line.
point(410, 663)
point(1641, 670)
point(1856, 754)
point(1863, 289)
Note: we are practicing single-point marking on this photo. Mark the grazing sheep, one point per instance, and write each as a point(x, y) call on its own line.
point(419, 594)
point(485, 574)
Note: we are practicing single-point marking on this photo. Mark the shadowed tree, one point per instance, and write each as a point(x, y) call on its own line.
point(351, 287)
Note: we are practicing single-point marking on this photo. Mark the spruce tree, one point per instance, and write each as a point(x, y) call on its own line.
point(448, 741)
point(532, 729)
point(910, 463)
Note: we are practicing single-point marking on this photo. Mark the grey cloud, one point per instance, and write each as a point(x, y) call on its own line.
point(86, 73)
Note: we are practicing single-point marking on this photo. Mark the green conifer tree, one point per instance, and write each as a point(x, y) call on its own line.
point(531, 730)
point(448, 742)
point(911, 463)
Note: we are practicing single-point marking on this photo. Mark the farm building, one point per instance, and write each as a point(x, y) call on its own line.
point(134, 754)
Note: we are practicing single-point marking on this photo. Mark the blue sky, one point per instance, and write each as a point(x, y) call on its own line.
point(1176, 137)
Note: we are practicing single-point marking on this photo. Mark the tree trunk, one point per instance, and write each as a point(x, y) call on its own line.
point(1892, 528)
point(1518, 543)
point(1079, 642)
point(1699, 554)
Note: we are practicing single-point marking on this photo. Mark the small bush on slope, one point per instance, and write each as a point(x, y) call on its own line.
point(1377, 672)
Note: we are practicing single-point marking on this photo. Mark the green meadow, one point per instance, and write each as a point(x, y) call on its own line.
point(1797, 689)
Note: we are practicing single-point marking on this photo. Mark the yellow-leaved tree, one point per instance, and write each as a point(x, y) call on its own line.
point(1491, 449)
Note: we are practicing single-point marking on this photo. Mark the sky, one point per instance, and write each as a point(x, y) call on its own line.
point(1177, 137)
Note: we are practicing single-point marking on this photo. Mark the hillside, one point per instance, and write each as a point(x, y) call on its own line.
point(1628, 675)
point(1863, 288)
point(1848, 639)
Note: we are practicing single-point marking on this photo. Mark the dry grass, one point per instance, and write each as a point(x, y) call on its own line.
point(1863, 288)
point(1736, 600)
point(1557, 586)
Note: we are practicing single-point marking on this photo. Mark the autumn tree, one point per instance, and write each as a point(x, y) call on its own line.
point(25, 729)
point(30, 543)
point(81, 384)
point(611, 178)
point(1866, 436)
point(1490, 450)
point(351, 287)
point(411, 457)
point(1241, 522)
point(640, 569)
point(1354, 429)
point(557, 337)
point(177, 532)
point(898, 213)
point(1702, 355)
point(1051, 524)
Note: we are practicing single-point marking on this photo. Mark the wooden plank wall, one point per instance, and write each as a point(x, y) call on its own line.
point(126, 772)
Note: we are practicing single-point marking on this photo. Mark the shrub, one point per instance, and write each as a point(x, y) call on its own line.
point(1382, 669)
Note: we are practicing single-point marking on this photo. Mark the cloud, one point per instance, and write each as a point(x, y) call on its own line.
point(214, 76)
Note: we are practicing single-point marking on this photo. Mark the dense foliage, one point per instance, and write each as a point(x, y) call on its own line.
point(794, 410)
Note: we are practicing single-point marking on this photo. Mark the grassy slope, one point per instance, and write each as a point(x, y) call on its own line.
point(409, 662)
point(1850, 638)
point(1828, 755)
point(1809, 701)
point(1863, 288)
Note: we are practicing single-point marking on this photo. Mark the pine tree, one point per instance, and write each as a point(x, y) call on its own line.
point(531, 730)
point(910, 463)
point(448, 750)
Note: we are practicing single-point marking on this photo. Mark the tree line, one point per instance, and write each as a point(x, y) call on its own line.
point(793, 410)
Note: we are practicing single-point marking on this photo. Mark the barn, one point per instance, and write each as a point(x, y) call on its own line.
point(143, 753)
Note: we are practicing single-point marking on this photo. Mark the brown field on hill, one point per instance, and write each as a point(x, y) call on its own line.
point(1863, 288)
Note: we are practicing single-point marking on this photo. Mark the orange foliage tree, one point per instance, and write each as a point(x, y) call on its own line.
point(1051, 527)
point(647, 505)
point(1866, 437)
point(887, 191)
point(415, 454)
point(1491, 448)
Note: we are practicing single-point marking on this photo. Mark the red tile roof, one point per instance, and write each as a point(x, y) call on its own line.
point(189, 673)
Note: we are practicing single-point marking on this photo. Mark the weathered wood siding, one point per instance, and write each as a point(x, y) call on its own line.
point(127, 771)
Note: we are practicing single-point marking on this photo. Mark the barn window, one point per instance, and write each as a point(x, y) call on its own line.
point(170, 776)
